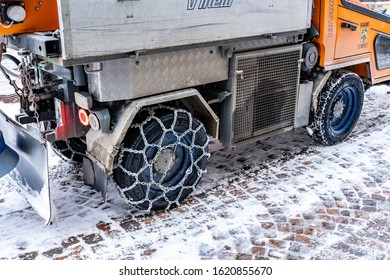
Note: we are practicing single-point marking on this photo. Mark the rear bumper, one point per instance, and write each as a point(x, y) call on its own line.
point(30, 176)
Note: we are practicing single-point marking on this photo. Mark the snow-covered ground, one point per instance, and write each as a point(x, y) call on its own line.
point(283, 197)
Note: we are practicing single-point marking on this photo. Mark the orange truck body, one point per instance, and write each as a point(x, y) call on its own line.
point(340, 46)
point(41, 15)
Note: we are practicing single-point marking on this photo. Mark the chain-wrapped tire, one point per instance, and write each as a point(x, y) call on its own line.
point(72, 149)
point(339, 107)
point(161, 159)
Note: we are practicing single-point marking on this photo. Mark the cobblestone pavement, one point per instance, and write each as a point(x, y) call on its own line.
point(282, 197)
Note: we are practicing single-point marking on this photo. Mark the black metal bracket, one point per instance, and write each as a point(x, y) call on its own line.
point(349, 26)
point(95, 177)
point(4, 6)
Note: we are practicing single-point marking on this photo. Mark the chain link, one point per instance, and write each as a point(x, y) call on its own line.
point(149, 164)
point(28, 87)
point(25, 77)
point(18, 91)
point(68, 148)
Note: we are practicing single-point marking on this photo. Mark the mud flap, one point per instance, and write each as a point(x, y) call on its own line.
point(95, 177)
point(31, 175)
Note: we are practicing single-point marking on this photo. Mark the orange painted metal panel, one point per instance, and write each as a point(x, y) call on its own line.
point(338, 44)
point(325, 21)
point(41, 15)
point(353, 40)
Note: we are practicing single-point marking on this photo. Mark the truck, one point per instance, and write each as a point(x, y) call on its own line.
point(134, 89)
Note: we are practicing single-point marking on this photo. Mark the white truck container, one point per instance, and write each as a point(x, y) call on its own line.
point(92, 28)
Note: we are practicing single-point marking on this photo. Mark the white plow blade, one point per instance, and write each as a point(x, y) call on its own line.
point(31, 176)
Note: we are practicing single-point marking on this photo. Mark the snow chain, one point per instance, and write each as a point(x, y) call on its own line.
point(70, 149)
point(149, 163)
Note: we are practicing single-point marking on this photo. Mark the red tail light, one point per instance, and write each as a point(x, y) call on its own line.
point(84, 117)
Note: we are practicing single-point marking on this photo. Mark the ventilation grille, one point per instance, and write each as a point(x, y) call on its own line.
point(266, 92)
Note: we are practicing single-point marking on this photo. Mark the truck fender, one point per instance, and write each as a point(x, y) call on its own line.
point(103, 147)
point(319, 83)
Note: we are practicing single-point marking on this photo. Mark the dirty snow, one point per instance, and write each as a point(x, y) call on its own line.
point(283, 197)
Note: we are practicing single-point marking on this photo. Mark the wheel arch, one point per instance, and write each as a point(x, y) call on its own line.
point(361, 67)
point(102, 148)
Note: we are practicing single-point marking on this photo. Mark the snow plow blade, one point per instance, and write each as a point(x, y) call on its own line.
point(30, 177)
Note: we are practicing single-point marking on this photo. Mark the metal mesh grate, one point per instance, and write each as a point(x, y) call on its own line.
point(266, 93)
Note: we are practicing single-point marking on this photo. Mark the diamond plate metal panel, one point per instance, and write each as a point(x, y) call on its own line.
point(124, 79)
point(266, 92)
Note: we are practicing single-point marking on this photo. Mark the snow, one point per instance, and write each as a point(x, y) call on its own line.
point(246, 194)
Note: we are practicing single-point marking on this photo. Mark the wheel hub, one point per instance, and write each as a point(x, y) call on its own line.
point(164, 161)
point(338, 109)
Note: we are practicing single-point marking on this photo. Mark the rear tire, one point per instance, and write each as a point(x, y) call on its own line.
point(338, 109)
point(161, 159)
point(72, 149)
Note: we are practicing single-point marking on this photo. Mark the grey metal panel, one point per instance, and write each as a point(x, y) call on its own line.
point(266, 91)
point(227, 47)
point(98, 28)
point(267, 41)
point(303, 104)
point(130, 78)
point(40, 44)
point(347, 64)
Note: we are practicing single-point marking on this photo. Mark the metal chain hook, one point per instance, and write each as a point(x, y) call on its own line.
point(28, 91)
point(25, 78)
point(18, 91)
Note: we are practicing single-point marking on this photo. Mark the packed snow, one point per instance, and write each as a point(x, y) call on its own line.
point(283, 197)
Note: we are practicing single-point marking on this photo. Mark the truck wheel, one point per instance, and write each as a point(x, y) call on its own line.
point(339, 107)
point(72, 149)
point(161, 159)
